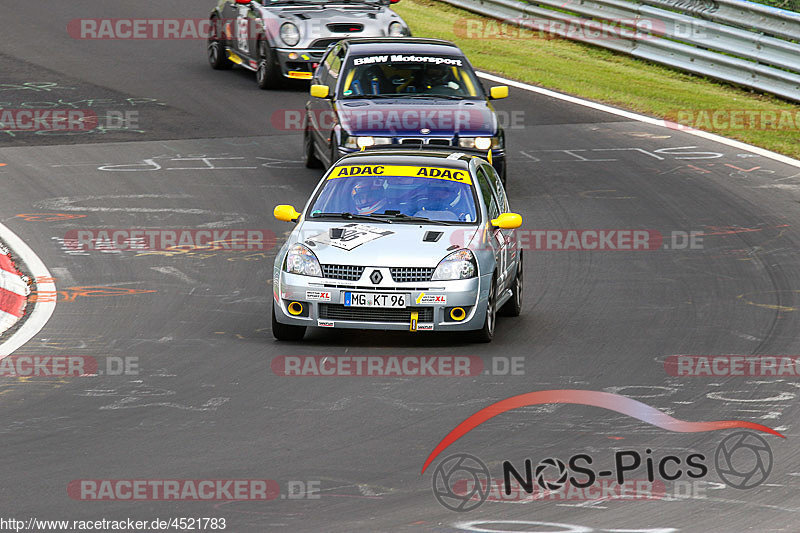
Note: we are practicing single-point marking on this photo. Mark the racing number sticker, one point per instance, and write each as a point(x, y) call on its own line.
point(353, 235)
point(451, 174)
point(241, 30)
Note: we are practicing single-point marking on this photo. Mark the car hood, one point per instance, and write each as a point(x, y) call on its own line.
point(406, 117)
point(382, 245)
point(313, 14)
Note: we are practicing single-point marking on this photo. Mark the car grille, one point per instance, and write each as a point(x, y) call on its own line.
point(416, 274)
point(344, 272)
point(373, 314)
point(323, 43)
point(438, 141)
point(345, 28)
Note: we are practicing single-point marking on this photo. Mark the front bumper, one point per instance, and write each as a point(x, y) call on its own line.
point(322, 301)
point(498, 156)
point(301, 64)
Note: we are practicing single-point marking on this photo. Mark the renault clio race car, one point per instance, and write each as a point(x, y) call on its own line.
point(281, 39)
point(400, 240)
point(408, 92)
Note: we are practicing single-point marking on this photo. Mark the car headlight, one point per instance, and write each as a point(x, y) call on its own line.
point(301, 260)
point(396, 30)
point(458, 265)
point(290, 34)
point(364, 141)
point(480, 143)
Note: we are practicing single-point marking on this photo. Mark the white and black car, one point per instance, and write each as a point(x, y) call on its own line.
point(286, 39)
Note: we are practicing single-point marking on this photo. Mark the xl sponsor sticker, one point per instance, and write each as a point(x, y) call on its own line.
point(318, 296)
point(451, 174)
point(353, 235)
point(325, 323)
point(431, 298)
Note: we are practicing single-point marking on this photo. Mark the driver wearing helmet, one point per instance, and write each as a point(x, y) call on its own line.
point(438, 80)
point(442, 201)
point(369, 196)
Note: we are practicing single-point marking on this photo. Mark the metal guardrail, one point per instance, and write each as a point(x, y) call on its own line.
point(731, 40)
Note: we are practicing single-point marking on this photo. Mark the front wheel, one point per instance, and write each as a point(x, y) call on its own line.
point(335, 155)
point(513, 307)
point(286, 332)
point(268, 74)
point(486, 333)
point(216, 50)
point(311, 159)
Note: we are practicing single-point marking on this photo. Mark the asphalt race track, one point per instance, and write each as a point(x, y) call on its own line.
point(206, 404)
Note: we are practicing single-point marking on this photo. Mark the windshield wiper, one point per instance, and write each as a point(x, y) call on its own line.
point(351, 216)
point(409, 218)
point(353, 96)
point(423, 95)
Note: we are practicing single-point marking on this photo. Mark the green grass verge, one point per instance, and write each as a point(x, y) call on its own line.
point(604, 76)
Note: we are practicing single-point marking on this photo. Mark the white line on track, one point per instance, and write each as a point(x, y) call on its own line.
point(642, 118)
point(42, 311)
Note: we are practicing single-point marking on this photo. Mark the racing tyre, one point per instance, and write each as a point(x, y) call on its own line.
point(286, 332)
point(334, 152)
point(486, 333)
point(503, 175)
point(513, 307)
point(308, 149)
point(216, 49)
point(268, 74)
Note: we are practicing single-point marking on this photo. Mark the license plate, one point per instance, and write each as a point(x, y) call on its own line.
point(372, 299)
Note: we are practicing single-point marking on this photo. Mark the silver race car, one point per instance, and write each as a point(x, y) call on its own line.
point(281, 39)
point(400, 240)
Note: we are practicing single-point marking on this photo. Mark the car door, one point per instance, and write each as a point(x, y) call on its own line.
point(228, 20)
point(322, 116)
point(496, 238)
point(509, 235)
point(242, 32)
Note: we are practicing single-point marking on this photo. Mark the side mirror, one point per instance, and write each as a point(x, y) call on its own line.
point(286, 213)
point(243, 2)
point(496, 93)
point(507, 221)
point(319, 91)
point(394, 1)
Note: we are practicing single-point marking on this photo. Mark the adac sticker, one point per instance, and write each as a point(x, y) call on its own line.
point(318, 296)
point(431, 298)
point(352, 236)
point(451, 174)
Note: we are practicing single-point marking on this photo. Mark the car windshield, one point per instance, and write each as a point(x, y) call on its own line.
point(397, 197)
point(406, 76)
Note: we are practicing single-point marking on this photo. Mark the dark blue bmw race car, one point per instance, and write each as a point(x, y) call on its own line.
point(409, 92)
